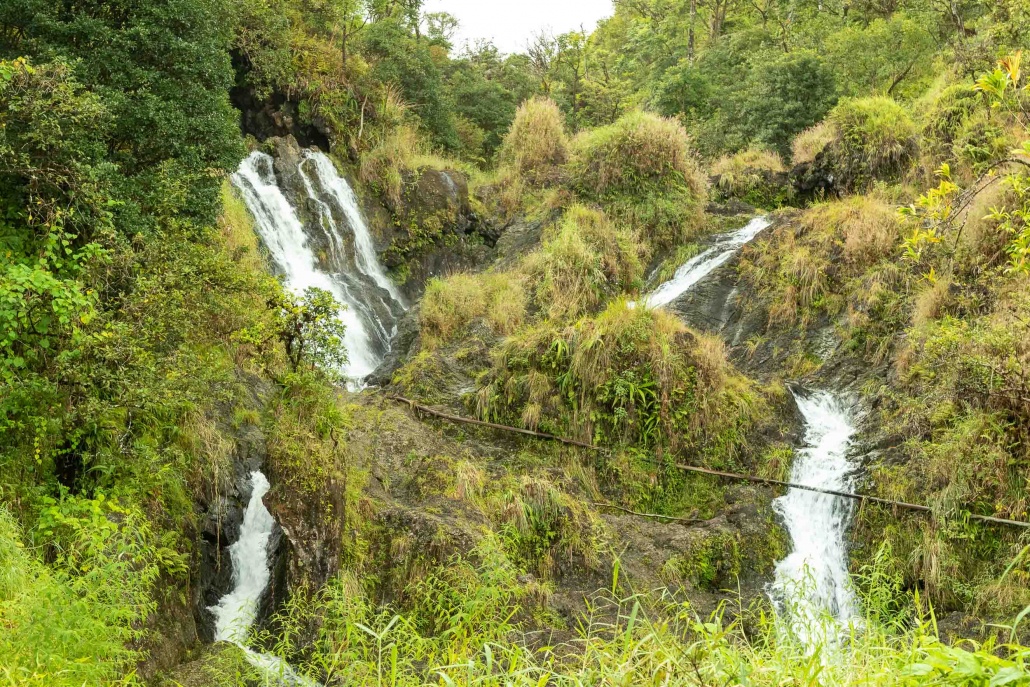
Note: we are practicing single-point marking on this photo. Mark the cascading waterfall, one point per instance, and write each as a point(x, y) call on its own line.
point(236, 611)
point(812, 586)
point(706, 262)
point(364, 249)
point(349, 269)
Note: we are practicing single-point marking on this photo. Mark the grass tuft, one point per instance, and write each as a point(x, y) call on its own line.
point(536, 145)
point(642, 170)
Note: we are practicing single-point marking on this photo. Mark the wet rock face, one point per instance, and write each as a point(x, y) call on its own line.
point(274, 115)
point(221, 507)
point(434, 230)
point(817, 179)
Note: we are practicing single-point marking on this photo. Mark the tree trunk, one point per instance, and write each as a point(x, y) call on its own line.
point(690, 33)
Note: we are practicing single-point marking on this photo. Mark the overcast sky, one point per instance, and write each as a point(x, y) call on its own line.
point(510, 23)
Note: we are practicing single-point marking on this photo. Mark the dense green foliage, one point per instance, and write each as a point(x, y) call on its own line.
point(144, 349)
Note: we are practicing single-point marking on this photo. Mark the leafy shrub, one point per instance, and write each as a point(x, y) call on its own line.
point(536, 145)
point(641, 169)
point(784, 95)
point(400, 58)
point(982, 139)
point(751, 176)
point(876, 139)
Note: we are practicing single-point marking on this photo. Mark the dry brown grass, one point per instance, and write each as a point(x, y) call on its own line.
point(451, 304)
point(381, 167)
point(867, 225)
point(536, 145)
point(810, 142)
point(931, 302)
point(750, 159)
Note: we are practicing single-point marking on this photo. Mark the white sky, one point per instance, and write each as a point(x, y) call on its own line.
point(511, 23)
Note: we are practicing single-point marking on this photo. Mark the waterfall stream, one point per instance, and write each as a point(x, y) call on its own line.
point(237, 610)
point(333, 251)
point(812, 585)
point(706, 262)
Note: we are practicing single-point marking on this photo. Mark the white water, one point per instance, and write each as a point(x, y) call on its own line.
point(236, 611)
point(703, 264)
point(812, 586)
point(372, 303)
point(364, 248)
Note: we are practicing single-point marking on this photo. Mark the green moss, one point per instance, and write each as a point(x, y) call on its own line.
point(712, 562)
point(222, 665)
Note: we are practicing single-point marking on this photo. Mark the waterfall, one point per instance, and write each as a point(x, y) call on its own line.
point(349, 269)
point(703, 264)
point(341, 191)
point(236, 611)
point(812, 585)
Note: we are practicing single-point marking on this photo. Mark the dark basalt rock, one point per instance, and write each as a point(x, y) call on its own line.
point(274, 115)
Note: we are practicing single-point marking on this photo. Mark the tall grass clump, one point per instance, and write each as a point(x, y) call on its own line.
point(450, 304)
point(812, 141)
point(641, 169)
point(536, 146)
point(751, 176)
point(875, 139)
point(383, 166)
point(583, 262)
point(629, 375)
point(826, 262)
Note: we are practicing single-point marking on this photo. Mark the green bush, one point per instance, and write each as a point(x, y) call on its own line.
point(944, 117)
point(641, 170)
point(79, 621)
point(876, 139)
point(784, 95)
point(450, 304)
